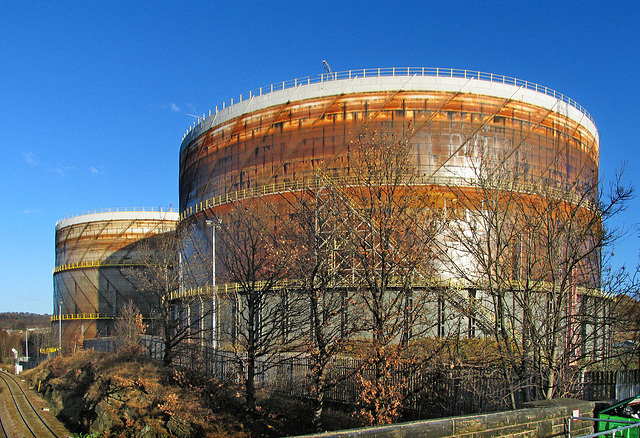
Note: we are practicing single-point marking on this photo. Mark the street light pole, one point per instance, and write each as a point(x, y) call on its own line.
point(214, 297)
point(26, 344)
point(59, 326)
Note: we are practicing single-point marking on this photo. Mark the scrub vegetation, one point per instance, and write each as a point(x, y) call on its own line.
point(126, 395)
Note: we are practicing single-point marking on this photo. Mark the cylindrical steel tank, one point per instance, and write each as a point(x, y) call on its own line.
point(276, 139)
point(93, 255)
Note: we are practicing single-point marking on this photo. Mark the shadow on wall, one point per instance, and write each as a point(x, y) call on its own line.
point(118, 284)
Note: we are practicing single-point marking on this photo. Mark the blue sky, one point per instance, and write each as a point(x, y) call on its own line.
point(95, 96)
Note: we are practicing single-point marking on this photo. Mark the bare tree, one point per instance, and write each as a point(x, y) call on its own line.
point(532, 248)
point(486, 223)
point(626, 333)
point(7, 342)
point(177, 309)
point(39, 340)
point(390, 223)
point(254, 261)
point(129, 328)
point(622, 284)
point(321, 275)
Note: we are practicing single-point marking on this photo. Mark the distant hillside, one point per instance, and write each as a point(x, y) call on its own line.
point(22, 320)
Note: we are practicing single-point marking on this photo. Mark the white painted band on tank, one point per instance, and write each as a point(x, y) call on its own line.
point(168, 216)
point(392, 84)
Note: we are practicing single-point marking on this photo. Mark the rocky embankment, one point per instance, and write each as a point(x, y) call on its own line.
point(130, 396)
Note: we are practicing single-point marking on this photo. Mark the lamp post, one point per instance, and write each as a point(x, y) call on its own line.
point(59, 326)
point(214, 298)
point(26, 343)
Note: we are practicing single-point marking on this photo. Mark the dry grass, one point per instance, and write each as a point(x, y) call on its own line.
point(126, 395)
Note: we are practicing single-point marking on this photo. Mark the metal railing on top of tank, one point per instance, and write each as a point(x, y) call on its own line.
point(118, 210)
point(399, 71)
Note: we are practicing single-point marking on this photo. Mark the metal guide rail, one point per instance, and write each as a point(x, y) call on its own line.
point(617, 432)
point(311, 183)
point(92, 264)
point(84, 316)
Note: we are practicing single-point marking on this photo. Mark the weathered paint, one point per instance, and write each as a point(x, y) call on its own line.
point(92, 253)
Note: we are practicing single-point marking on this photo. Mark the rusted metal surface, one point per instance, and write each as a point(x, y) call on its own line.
point(271, 150)
point(285, 144)
point(437, 78)
point(93, 253)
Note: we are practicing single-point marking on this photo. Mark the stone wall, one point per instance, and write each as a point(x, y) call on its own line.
point(539, 419)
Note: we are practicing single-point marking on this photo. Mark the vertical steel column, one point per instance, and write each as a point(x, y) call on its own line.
point(214, 295)
point(59, 326)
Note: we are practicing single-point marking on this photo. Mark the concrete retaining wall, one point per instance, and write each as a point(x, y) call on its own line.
point(538, 419)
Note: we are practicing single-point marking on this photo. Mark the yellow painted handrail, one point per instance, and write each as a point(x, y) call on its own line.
point(448, 283)
point(293, 186)
point(310, 183)
point(89, 316)
point(76, 316)
point(90, 264)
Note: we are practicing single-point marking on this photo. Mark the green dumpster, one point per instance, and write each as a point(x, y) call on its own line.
point(621, 414)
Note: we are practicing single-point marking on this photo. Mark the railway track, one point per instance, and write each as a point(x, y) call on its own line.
point(24, 417)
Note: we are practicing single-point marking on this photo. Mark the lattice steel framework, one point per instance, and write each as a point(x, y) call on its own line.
point(278, 142)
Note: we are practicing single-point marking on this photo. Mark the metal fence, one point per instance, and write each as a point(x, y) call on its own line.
point(619, 428)
point(615, 385)
point(443, 392)
point(438, 392)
